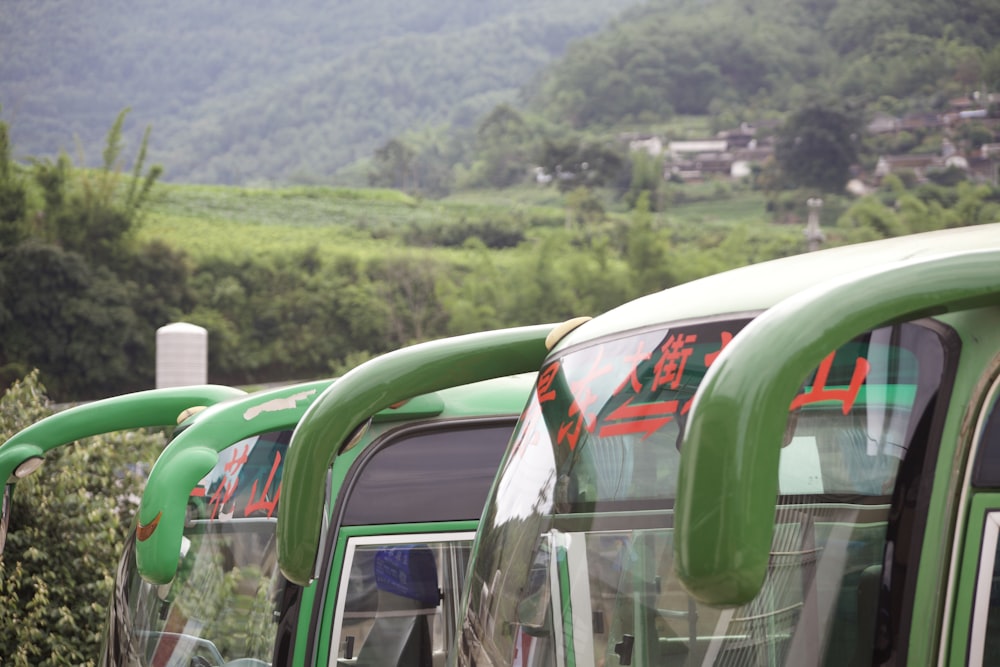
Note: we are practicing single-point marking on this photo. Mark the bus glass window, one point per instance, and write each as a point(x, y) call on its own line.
point(400, 597)
point(986, 472)
point(593, 472)
point(220, 607)
point(436, 475)
point(984, 642)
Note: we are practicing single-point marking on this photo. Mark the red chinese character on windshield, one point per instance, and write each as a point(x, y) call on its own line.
point(227, 487)
point(712, 356)
point(669, 368)
point(220, 499)
point(643, 418)
point(820, 392)
point(545, 379)
point(634, 360)
point(584, 398)
point(262, 503)
point(237, 460)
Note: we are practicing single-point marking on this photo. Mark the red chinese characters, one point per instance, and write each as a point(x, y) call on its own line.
point(647, 397)
point(846, 396)
point(230, 480)
point(265, 502)
point(580, 415)
point(225, 498)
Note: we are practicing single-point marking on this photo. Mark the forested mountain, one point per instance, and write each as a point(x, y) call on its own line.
point(240, 91)
point(736, 59)
point(248, 92)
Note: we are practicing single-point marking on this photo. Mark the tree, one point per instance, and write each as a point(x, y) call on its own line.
point(646, 254)
point(72, 320)
point(394, 166)
point(816, 148)
point(67, 530)
point(647, 182)
point(502, 144)
point(13, 196)
point(93, 212)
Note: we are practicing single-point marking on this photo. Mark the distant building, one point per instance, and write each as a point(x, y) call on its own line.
point(882, 123)
point(649, 144)
point(917, 163)
point(677, 150)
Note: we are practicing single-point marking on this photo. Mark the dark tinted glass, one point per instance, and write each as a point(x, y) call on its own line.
point(441, 475)
point(987, 470)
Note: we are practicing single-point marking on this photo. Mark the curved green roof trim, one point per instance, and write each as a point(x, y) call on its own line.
point(364, 391)
point(192, 454)
point(143, 409)
point(752, 289)
point(728, 479)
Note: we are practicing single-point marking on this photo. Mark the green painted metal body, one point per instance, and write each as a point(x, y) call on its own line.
point(366, 390)
point(729, 469)
point(192, 454)
point(155, 407)
point(144, 409)
point(729, 458)
point(755, 288)
point(195, 451)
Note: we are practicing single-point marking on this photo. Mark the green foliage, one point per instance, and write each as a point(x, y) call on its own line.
point(394, 166)
point(646, 252)
point(68, 523)
point(898, 209)
point(81, 299)
point(74, 321)
point(273, 93)
point(14, 226)
point(816, 148)
point(91, 212)
point(646, 186)
point(503, 147)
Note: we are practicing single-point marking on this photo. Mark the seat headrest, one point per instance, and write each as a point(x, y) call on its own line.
point(408, 570)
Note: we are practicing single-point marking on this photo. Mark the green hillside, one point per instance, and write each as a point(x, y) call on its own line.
point(240, 92)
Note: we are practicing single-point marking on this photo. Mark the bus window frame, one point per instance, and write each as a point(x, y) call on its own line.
point(332, 546)
point(350, 545)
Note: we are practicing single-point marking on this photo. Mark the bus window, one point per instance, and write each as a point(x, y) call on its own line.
point(221, 604)
point(592, 472)
point(984, 643)
point(440, 474)
point(399, 598)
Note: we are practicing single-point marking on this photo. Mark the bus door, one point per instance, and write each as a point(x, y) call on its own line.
point(975, 636)
point(398, 599)
point(403, 529)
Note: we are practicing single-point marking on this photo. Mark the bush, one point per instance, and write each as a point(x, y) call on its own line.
point(66, 536)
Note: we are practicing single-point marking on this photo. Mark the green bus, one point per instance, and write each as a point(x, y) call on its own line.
point(24, 452)
point(198, 585)
point(791, 463)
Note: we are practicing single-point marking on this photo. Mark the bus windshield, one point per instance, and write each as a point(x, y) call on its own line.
point(574, 561)
point(221, 606)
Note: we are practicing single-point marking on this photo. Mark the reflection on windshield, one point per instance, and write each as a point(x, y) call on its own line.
point(581, 521)
point(221, 606)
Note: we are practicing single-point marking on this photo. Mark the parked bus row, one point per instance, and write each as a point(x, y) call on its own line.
point(791, 463)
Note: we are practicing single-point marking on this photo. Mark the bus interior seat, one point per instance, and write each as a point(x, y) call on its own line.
point(408, 595)
point(860, 470)
point(868, 592)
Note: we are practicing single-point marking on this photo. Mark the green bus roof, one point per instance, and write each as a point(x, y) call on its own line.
point(752, 289)
point(370, 388)
point(143, 409)
point(194, 452)
point(811, 304)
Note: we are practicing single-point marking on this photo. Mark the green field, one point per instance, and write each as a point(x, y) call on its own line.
point(222, 221)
